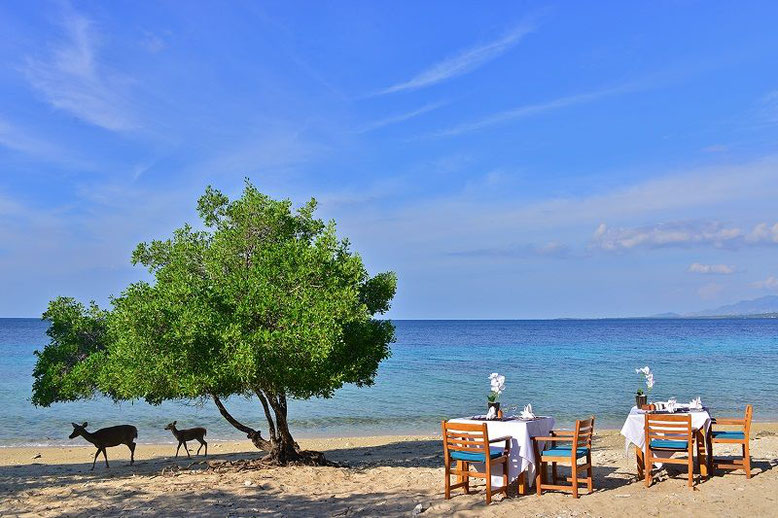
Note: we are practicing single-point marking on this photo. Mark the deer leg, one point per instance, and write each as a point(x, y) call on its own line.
point(95, 459)
point(131, 446)
point(105, 456)
point(178, 448)
point(202, 443)
point(186, 448)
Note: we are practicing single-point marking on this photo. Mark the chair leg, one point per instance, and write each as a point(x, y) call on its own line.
point(640, 461)
point(553, 473)
point(505, 479)
point(465, 466)
point(575, 478)
point(747, 459)
point(690, 453)
point(541, 467)
point(648, 462)
point(488, 473)
point(589, 478)
point(447, 470)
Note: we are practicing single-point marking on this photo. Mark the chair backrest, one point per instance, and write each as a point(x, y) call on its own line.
point(584, 429)
point(669, 427)
point(468, 437)
point(749, 416)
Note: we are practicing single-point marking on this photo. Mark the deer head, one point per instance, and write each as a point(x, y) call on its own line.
point(78, 429)
point(171, 426)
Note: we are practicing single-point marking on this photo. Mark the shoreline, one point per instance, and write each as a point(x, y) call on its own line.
point(756, 427)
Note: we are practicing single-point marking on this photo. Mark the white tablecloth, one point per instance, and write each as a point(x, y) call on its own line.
point(634, 429)
point(522, 454)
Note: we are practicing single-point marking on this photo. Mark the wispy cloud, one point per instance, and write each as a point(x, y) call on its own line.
point(464, 62)
point(13, 137)
point(719, 269)
point(770, 283)
point(402, 117)
point(553, 249)
point(72, 79)
point(535, 109)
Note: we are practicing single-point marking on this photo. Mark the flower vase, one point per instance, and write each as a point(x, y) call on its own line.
point(640, 400)
point(493, 404)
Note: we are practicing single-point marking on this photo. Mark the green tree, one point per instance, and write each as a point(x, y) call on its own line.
point(265, 302)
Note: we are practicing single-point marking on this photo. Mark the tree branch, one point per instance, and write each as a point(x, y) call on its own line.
point(234, 422)
point(270, 424)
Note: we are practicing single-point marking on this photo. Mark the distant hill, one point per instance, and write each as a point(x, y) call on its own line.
point(766, 306)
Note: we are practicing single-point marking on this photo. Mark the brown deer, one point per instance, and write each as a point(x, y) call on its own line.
point(107, 437)
point(189, 434)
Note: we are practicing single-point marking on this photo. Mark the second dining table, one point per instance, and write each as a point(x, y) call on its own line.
point(634, 432)
point(521, 459)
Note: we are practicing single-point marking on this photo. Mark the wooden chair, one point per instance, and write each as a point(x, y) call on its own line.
point(740, 436)
point(669, 433)
point(465, 443)
point(580, 447)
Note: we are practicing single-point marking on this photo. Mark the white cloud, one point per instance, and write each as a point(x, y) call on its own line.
point(72, 79)
point(763, 233)
point(666, 234)
point(720, 269)
point(464, 62)
point(702, 233)
point(770, 283)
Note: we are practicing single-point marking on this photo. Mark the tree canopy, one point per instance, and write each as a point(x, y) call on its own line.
point(265, 301)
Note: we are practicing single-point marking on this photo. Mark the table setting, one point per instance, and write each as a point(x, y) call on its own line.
point(520, 428)
point(633, 429)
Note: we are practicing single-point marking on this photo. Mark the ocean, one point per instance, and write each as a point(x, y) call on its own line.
point(439, 369)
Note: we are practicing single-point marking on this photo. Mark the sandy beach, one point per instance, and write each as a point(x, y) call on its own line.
point(383, 476)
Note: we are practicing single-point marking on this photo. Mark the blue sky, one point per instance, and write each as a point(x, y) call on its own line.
point(515, 160)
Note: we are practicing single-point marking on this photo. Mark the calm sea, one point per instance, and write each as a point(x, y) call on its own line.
point(439, 369)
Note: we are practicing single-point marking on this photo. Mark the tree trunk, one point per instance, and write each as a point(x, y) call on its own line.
point(281, 448)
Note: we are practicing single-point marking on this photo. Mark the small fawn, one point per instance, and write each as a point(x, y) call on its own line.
point(188, 434)
point(107, 437)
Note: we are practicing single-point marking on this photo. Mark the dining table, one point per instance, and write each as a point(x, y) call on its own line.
point(634, 432)
point(521, 459)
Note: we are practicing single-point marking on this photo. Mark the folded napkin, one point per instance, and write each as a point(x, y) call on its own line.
point(672, 405)
point(491, 414)
point(527, 412)
point(696, 404)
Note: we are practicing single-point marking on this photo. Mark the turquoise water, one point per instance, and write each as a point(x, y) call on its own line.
point(439, 369)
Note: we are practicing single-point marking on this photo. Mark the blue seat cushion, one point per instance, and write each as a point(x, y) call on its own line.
point(560, 450)
point(470, 456)
point(727, 434)
point(667, 444)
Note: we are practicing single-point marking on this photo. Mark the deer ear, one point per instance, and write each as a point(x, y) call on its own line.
point(174, 423)
point(85, 424)
point(74, 425)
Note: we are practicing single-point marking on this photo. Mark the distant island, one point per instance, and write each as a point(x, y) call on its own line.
point(763, 307)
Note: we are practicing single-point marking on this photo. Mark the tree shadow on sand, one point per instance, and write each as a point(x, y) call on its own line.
point(171, 494)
